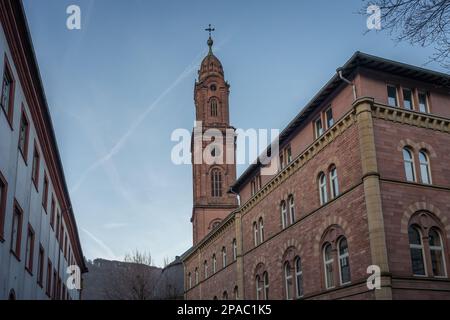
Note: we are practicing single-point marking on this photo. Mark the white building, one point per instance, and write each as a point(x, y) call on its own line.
point(38, 233)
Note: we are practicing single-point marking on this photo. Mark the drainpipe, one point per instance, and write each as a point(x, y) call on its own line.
point(339, 72)
point(236, 194)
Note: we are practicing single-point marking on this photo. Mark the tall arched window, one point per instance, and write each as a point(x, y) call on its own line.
point(214, 263)
point(344, 261)
point(196, 276)
point(288, 280)
point(409, 165)
point(234, 244)
point(205, 269)
point(225, 295)
point(216, 183)
point(214, 111)
point(298, 277)
point(284, 215)
point(258, 288)
point(266, 285)
point(236, 293)
point(291, 208)
point(425, 172)
point(328, 263)
point(224, 257)
point(261, 230)
point(334, 183)
point(416, 249)
point(436, 253)
point(255, 233)
point(323, 188)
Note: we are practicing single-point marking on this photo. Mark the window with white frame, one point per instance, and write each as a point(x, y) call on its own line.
point(214, 263)
point(436, 253)
point(408, 99)
point(196, 276)
point(266, 285)
point(291, 208)
point(284, 215)
point(205, 269)
point(255, 234)
point(344, 261)
point(258, 288)
point(318, 127)
point(425, 171)
point(334, 183)
point(261, 230)
point(298, 277)
point(328, 263)
point(234, 249)
point(423, 103)
point(392, 96)
point(416, 250)
point(323, 188)
point(216, 183)
point(224, 257)
point(409, 164)
point(288, 280)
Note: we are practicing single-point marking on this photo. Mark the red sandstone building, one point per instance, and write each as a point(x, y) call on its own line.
point(364, 179)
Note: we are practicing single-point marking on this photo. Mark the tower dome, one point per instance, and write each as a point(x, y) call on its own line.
point(210, 65)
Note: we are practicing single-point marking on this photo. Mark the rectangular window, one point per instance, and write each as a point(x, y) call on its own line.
point(423, 103)
point(36, 164)
point(16, 230)
point(392, 96)
point(29, 250)
point(318, 127)
point(7, 96)
point(40, 272)
point(45, 193)
point(23, 135)
point(55, 285)
point(329, 118)
point(65, 246)
point(61, 236)
point(3, 195)
point(58, 220)
point(281, 161)
point(288, 154)
point(52, 213)
point(407, 99)
point(253, 186)
point(49, 278)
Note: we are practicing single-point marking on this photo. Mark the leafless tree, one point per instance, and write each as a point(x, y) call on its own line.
point(135, 279)
point(420, 22)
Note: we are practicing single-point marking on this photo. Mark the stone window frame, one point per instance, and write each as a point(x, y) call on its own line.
point(261, 274)
point(332, 236)
point(289, 258)
point(425, 221)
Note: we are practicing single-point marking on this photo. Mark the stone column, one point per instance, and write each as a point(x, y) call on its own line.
point(372, 193)
point(240, 255)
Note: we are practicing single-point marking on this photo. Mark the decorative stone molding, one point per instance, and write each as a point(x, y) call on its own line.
point(417, 146)
point(423, 206)
point(330, 221)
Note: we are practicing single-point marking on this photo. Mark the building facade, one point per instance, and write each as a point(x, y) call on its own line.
point(363, 180)
point(38, 232)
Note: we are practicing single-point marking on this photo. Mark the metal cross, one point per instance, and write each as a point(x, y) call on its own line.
point(209, 29)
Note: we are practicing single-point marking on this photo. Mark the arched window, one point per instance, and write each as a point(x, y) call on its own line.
point(214, 263)
point(334, 182)
point(409, 165)
point(284, 215)
point(189, 280)
point(234, 244)
point(291, 208)
point(344, 262)
point(225, 295)
point(214, 111)
point(205, 269)
point(258, 288)
point(266, 285)
point(255, 233)
point(298, 277)
point(425, 172)
point(196, 276)
point(215, 298)
point(436, 253)
point(288, 280)
point(12, 295)
point(328, 263)
point(261, 230)
point(416, 249)
point(323, 188)
point(224, 257)
point(216, 183)
point(236, 293)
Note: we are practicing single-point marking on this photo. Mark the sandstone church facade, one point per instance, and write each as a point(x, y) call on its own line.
point(363, 180)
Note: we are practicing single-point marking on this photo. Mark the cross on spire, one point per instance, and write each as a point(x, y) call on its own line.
point(210, 29)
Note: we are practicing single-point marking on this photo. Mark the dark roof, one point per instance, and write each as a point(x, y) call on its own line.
point(359, 59)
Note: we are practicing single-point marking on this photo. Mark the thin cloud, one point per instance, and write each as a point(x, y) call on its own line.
point(107, 251)
point(123, 140)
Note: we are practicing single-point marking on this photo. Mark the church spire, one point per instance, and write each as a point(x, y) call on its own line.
point(210, 40)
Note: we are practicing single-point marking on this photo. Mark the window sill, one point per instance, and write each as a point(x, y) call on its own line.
point(35, 185)
point(8, 118)
point(29, 271)
point(23, 157)
point(15, 254)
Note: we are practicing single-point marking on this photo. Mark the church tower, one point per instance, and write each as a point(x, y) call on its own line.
point(212, 178)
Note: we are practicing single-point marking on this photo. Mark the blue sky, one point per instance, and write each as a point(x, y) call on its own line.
point(118, 87)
